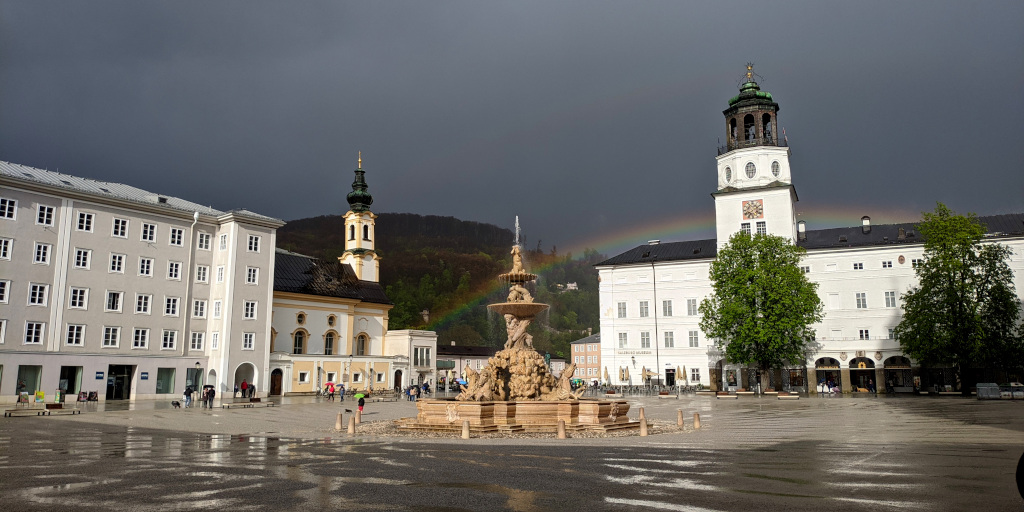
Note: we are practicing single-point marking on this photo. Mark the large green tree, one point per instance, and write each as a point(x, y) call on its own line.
point(762, 305)
point(964, 310)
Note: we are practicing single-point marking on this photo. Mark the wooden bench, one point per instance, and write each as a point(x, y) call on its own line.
point(26, 411)
point(726, 397)
point(237, 404)
point(383, 399)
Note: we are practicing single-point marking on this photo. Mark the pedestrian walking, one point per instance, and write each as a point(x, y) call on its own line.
point(187, 396)
point(341, 391)
point(414, 392)
point(330, 391)
point(361, 402)
point(245, 389)
point(210, 396)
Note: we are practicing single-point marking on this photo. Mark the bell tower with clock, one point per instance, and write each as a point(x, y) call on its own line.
point(755, 191)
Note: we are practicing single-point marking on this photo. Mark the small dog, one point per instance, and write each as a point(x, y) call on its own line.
point(176, 404)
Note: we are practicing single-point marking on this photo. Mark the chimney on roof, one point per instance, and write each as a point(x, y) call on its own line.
point(901, 234)
point(653, 242)
point(801, 231)
point(865, 224)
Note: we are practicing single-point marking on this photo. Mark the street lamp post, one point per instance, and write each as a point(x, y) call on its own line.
point(195, 380)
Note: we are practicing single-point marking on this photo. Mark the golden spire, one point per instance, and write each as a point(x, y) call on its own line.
point(360, 166)
point(750, 71)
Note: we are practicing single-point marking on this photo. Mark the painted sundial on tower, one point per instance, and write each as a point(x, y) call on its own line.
point(753, 209)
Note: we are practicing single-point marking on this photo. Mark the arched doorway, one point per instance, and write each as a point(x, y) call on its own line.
point(898, 376)
point(398, 379)
point(862, 374)
point(715, 374)
point(245, 372)
point(276, 378)
point(211, 379)
point(827, 374)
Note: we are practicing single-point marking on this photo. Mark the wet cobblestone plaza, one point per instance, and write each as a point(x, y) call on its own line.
point(750, 454)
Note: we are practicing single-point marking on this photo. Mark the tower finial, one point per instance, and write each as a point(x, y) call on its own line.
point(360, 166)
point(750, 71)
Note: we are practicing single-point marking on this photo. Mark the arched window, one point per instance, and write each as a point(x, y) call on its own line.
point(728, 174)
point(331, 320)
point(766, 126)
point(775, 169)
point(299, 347)
point(329, 344)
point(351, 232)
point(750, 169)
point(361, 345)
point(300, 318)
point(732, 129)
point(748, 127)
point(366, 232)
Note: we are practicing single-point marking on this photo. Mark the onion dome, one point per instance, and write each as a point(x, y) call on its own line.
point(359, 200)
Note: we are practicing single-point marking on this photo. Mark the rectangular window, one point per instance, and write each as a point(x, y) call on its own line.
point(254, 243)
point(145, 266)
point(304, 377)
point(858, 266)
point(623, 341)
point(42, 254)
point(203, 242)
point(177, 236)
point(34, 332)
point(214, 341)
point(82, 258)
point(864, 334)
point(216, 309)
point(8, 208)
point(645, 339)
point(111, 337)
point(171, 306)
point(202, 273)
point(887, 264)
point(890, 299)
point(762, 228)
point(670, 339)
point(805, 269)
point(114, 301)
point(140, 338)
point(5, 248)
point(622, 310)
point(164, 381)
point(248, 341)
point(249, 310)
point(252, 275)
point(666, 308)
point(694, 339)
point(220, 274)
point(422, 356)
point(197, 341)
point(75, 335)
point(117, 263)
point(914, 263)
point(174, 270)
point(199, 309)
point(745, 227)
point(79, 298)
point(691, 307)
point(644, 313)
point(85, 221)
point(862, 301)
point(38, 294)
point(148, 232)
point(892, 333)
point(4, 294)
point(44, 215)
point(170, 339)
point(142, 303)
point(694, 374)
point(3, 330)
point(223, 244)
point(120, 228)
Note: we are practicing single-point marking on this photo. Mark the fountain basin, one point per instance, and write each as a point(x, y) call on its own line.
point(522, 415)
point(518, 309)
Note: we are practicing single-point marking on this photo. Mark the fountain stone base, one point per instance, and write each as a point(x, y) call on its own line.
point(520, 416)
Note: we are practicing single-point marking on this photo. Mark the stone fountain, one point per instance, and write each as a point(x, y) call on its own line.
point(516, 391)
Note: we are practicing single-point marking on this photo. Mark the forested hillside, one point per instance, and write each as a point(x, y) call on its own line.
point(449, 267)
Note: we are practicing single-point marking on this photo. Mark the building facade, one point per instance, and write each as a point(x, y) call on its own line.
point(649, 295)
point(111, 289)
point(586, 354)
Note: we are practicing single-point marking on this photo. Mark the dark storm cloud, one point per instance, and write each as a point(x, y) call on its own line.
point(583, 118)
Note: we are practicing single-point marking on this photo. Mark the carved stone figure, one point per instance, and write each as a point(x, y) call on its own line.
point(517, 293)
point(563, 386)
point(517, 261)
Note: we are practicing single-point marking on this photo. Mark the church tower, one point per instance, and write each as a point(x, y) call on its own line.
point(755, 191)
point(359, 235)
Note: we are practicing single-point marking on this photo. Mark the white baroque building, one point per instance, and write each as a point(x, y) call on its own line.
point(649, 294)
point(111, 289)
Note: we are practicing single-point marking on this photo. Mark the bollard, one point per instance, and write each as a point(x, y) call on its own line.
point(352, 425)
point(643, 427)
point(465, 429)
point(561, 429)
point(679, 418)
point(338, 424)
point(696, 420)
point(359, 416)
point(642, 417)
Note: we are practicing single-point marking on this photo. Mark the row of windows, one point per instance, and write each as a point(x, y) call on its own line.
point(588, 372)
point(75, 335)
point(862, 334)
point(589, 347)
point(78, 298)
point(861, 300)
point(119, 227)
point(762, 228)
point(585, 359)
point(693, 338)
point(299, 344)
point(833, 267)
point(666, 308)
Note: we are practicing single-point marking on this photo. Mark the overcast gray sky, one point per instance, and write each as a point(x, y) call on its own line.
point(595, 122)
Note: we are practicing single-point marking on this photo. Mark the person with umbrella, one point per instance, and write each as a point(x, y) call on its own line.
point(330, 391)
point(361, 400)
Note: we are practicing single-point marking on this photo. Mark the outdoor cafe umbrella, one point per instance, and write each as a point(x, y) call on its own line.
point(682, 372)
point(625, 373)
point(607, 378)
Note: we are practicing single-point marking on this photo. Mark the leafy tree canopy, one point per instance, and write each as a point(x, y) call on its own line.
point(964, 310)
point(762, 305)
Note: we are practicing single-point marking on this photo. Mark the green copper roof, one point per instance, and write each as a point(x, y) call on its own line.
point(359, 200)
point(750, 90)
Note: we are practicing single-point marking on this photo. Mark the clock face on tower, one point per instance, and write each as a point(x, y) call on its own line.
point(753, 209)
